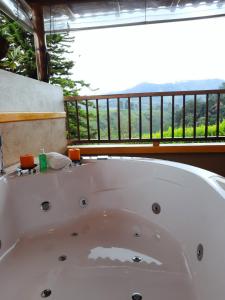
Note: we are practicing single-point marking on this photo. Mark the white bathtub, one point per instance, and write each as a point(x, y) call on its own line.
point(115, 229)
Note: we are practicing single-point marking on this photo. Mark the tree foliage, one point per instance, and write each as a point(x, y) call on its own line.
point(21, 56)
point(201, 110)
point(60, 67)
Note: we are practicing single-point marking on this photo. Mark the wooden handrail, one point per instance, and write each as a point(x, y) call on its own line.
point(136, 95)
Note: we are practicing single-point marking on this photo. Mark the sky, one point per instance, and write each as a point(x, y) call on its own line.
point(116, 59)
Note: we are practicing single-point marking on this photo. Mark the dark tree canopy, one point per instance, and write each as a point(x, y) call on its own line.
point(21, 58)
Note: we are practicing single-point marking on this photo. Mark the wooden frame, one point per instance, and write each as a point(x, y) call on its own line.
point(8, 117)
point(149, 149)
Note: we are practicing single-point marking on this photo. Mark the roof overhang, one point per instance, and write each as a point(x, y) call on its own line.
point(19, 11)
point(49, 16)
point(67, 15)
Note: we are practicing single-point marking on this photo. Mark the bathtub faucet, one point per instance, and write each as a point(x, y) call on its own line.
point(1, 158)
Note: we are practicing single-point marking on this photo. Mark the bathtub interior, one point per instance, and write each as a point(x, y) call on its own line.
point(100, 237)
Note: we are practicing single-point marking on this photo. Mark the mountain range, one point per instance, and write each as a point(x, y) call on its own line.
point(145, 87)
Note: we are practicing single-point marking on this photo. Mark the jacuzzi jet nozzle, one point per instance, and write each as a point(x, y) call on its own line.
point(137, 259)
point(136, 296)
point(46, 293)
point(62, 258)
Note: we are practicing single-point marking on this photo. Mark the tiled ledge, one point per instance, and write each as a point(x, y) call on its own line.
point(124, 149)
point(6, 117)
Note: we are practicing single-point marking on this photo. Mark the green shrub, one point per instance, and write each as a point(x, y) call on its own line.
point(200, 131)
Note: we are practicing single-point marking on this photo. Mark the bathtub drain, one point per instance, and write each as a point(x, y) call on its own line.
point(46, 293)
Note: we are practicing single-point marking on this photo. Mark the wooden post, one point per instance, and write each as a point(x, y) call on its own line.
point(39, 41)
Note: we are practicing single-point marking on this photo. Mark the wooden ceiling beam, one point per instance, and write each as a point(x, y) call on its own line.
point(40, 44)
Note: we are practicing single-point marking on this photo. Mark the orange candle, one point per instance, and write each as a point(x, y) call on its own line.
point(74, 154)
point(27, 161)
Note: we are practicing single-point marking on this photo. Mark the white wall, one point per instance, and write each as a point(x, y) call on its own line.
point(23, 94)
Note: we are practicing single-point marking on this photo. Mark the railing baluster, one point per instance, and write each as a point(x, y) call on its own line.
point(87, 116)
point(98, 125)
point(194, 119)
point(183, 116)
point(172, 116)
point(118, 116)
point(129, 118)
point(206, 115)
point(108, 120)
point(140, 120)
point(150, 116)
point(67, 121)
point(218, 116)
point(78, 108)
point(161, 116)
point(78, 121)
